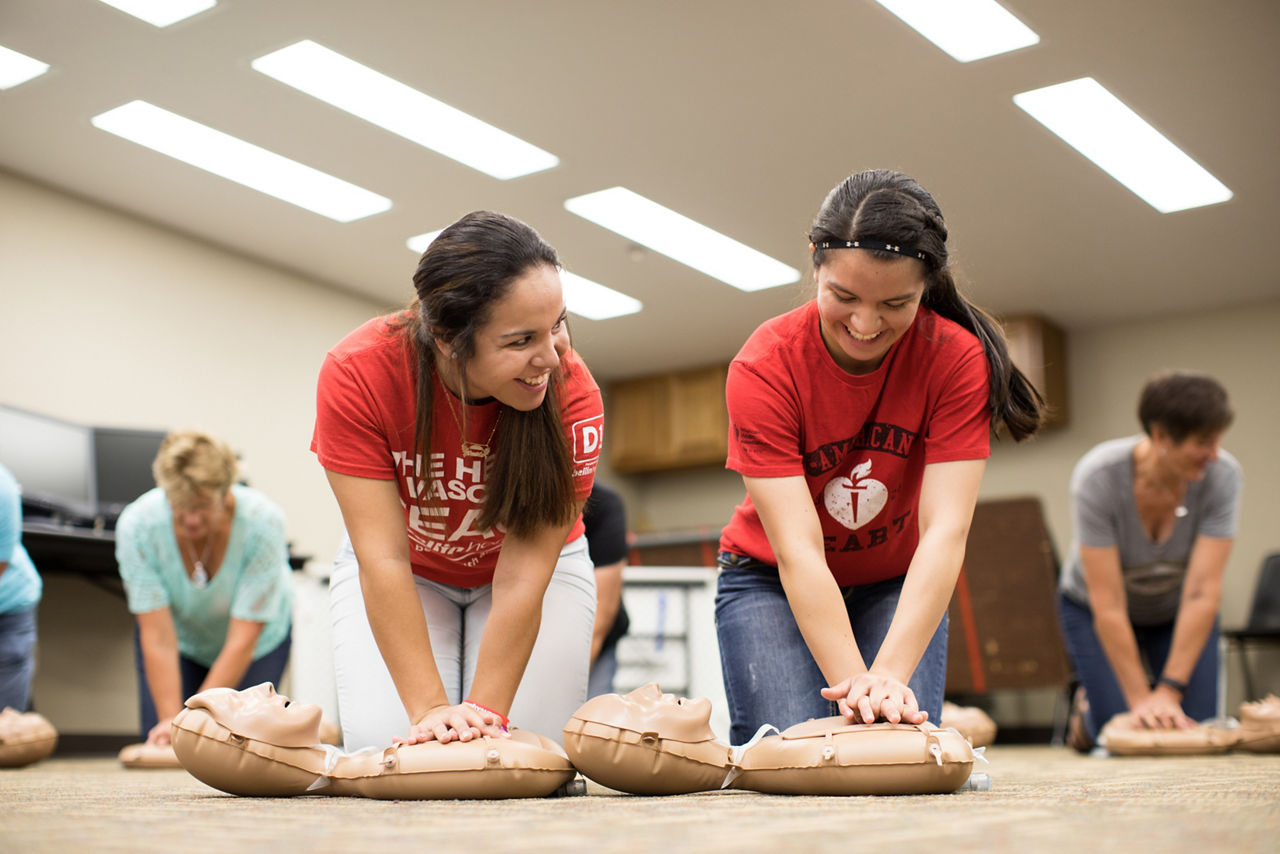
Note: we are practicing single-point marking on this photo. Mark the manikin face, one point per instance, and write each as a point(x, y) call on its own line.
point(865, 304)
point(523, 342)
point(199, 515)
point(261, 714)
point(1190, 458)
point(679, 718)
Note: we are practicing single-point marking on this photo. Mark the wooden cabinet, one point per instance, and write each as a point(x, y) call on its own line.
point(668, 421)
point(1038, 348)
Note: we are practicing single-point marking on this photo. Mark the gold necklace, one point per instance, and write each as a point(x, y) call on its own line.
point(472, 450)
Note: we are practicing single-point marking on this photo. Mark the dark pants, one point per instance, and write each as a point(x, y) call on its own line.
point(268, 668)
point(1094, 670)
point(17, 658)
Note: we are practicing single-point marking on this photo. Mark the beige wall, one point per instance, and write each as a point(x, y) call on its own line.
point(110, 320)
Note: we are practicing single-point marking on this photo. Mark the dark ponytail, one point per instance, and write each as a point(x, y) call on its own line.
point(889, 207)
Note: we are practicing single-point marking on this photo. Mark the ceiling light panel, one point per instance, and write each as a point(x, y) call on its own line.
point(403, 110)
point(18, 68)
point(682, 239)
point(240, 161)
point(1102, 128)
point(966, 29)
point(419, 243)
point(593, 300)
point(161, 13)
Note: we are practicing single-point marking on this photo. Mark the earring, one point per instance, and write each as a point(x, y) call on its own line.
point(453, 355)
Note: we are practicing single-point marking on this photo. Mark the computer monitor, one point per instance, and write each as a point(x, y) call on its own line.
point(52, 460)
point(122, 465)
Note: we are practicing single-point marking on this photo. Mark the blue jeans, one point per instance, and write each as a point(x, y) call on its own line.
point(17, 658)
point(770, 676)
point(268, 668)
point(1106, 700)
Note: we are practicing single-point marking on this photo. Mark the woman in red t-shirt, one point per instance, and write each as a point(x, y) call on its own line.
point(860, 425)
point(460, 438)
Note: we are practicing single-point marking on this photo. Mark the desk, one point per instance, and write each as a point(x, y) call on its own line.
point(85, 551)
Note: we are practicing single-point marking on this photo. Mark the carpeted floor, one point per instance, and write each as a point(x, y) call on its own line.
point(1043, 799)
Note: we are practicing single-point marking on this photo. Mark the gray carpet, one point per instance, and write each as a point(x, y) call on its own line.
point(1042, 799)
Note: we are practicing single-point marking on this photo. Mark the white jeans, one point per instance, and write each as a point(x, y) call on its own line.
point(555, 680)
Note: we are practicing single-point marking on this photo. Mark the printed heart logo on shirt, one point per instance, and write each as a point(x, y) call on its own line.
point(855, 500)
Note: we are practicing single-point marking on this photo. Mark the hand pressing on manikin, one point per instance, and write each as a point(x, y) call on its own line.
point(868, 697)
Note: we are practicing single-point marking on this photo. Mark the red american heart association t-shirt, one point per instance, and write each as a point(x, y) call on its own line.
point(365, 418)
point(861, 442)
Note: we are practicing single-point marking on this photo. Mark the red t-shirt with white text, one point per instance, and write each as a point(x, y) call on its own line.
point(861, 442)
point(366, 413)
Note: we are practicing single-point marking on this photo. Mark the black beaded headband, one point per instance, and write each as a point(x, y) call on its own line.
point(875, 245)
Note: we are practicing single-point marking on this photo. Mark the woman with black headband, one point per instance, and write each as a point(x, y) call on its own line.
point(860, 423)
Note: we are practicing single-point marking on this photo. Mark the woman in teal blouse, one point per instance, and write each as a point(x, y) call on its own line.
point(205, 567)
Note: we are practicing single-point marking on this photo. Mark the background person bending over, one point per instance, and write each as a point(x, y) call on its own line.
point(1155, 518)
point(206, 570)
point(20, 589)
point(460, 438)
point(605, 518)
point(859, 423)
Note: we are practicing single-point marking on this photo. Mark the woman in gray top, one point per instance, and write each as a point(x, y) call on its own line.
point(1155, 518)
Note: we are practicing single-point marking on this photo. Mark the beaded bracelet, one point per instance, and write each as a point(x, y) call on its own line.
point(503, 721)
point(1180, 687)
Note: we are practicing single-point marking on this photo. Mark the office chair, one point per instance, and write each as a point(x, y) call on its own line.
point(1263, 627)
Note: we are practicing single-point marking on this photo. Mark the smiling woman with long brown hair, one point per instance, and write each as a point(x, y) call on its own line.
point(460, 438)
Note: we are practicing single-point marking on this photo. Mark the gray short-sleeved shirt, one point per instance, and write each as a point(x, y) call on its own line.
point(1104, 513)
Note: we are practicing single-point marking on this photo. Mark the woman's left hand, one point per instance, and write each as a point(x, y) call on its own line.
point(868, 697)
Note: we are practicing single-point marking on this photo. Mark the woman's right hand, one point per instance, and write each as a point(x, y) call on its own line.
point(1161, 709)
point(868, 697)
point(444, 724)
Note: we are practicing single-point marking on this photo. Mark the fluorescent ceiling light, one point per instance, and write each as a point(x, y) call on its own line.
point(162, 13)
point(593, 300)
point(18, 68)
point(966, 29)
point(676, 236)
point(390, 104)
point(582, 296)
point(1100, 126)
point(420, 242)
point(240, 161)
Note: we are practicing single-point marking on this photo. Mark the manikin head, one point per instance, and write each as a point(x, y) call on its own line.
point(648, 710)
point(261, 714)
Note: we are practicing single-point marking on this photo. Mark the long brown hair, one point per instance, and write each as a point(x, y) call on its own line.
point(467, 269)
point(889, 207)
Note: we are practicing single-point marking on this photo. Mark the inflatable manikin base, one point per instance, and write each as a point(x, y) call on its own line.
point(650, 743)
point(829, 756)
point(1260, 725)
point(971, 722)
point(148, 756)
point(24, 738)
point(1122, 736)
point(263, 753)
point(647, 743)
